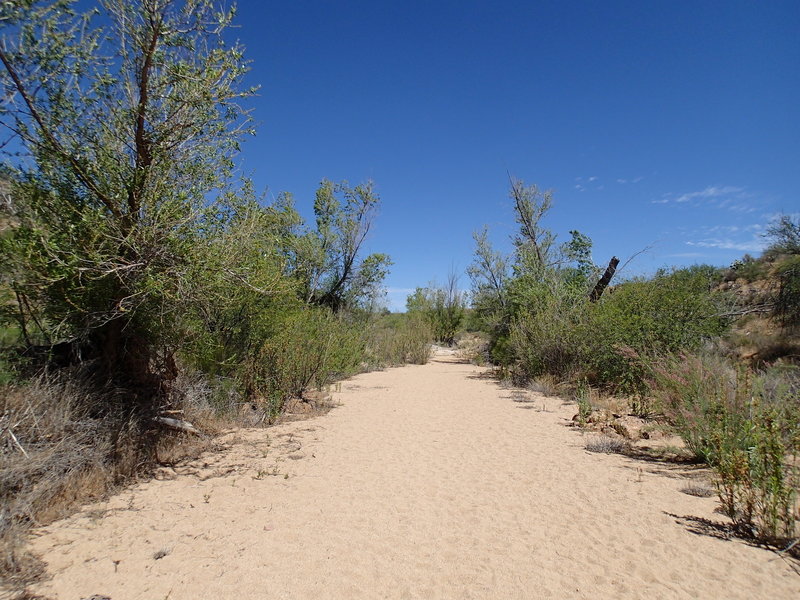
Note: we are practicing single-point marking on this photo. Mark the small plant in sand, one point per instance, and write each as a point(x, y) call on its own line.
point(605, 444)
point(746, 425)
point(584, 404)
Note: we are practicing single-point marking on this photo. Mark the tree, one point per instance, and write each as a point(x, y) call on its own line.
point(328, 260)
point(132, 125)
point(534, 242)
point(442, 307)
point(543, 282)
point(785, 235)
point(488, 272)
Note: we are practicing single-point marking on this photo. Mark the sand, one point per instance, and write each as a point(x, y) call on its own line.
point(426, 482)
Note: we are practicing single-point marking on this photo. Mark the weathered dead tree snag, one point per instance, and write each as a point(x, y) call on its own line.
point(603, 282)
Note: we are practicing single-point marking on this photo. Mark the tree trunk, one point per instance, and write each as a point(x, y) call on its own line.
point(602, 284)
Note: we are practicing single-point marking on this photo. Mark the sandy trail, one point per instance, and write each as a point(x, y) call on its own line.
point(427, 482)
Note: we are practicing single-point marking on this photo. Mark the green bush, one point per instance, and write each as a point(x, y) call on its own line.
point(310, 349)
point(673, 311)
point(443, 307)
point(746, 425)
point(397, 339)
point(559, 332)
point(547, 338)
point(747, 268)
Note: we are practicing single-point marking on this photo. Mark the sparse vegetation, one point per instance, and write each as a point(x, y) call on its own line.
point(604, 444)
point(148, 295)
point(746, 425)
point(670, 344)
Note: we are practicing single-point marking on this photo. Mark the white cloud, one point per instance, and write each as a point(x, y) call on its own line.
point(710, 192)
point(622, 181)
point(729, 244)
point(580, 188)
point(732, 198)
point(592, 178)
point(721, 229)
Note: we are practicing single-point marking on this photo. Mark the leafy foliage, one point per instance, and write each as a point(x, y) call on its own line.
point(674, 310)
point(443, 307)
point(328, 257)
point(785, 236)
point(132, 124)
point(130, 241)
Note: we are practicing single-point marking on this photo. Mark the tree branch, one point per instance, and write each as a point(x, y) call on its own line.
point(144, 157)
point(82, 176)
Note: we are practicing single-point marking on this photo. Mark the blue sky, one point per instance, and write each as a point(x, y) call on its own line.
point(672, 126)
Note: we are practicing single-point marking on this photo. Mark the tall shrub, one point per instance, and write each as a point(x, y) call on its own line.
point(672, 311)
point(132, 123)
point(746, 425)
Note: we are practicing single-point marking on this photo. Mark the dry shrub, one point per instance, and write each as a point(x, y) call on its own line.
point(607, 445)
point(546, 384)
point(64, 442)
point(398, 339)
point(52, 455)
point(211, 404)
point(746, 425)
point(473, 348)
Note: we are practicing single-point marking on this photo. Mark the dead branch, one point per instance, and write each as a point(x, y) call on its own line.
point(603, 282)
point(177, 424)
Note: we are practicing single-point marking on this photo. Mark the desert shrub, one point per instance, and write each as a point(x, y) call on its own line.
point(539, 308)
point(788, 299)
point(443, 307)
point(209, 402)
point(583, 398)
point(398, 339)
point(673, 311)
point(748, 268)
point(545, 337)
point(605, 444)
point(309, 348)
point(746, 425)
point(63, 442)
point(472, 347)
point(784, 235)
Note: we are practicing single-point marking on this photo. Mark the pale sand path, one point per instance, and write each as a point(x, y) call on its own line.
point(427, 482)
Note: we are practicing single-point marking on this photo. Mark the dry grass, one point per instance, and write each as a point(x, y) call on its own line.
point(547, 385)
point(64, 443)
point(607, 445)
point(54, 455)
point(473, 348)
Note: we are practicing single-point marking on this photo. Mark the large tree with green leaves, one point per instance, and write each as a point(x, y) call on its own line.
point(130, 121)
point(329, 260)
